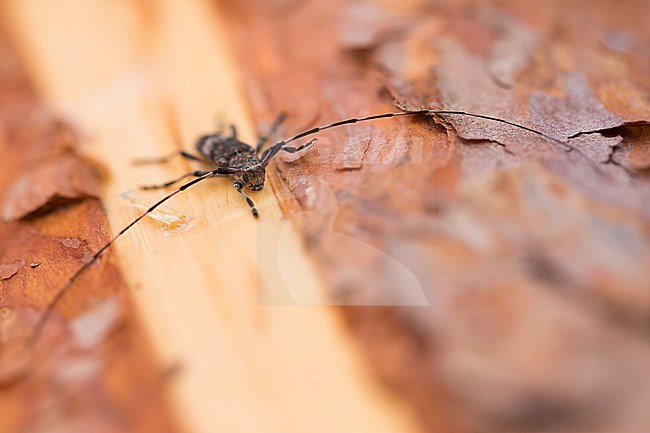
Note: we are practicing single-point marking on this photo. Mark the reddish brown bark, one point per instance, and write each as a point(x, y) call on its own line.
point(91, 369)
point(533, 256)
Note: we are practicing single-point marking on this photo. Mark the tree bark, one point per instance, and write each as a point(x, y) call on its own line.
point(423, 273)
point(513, 271)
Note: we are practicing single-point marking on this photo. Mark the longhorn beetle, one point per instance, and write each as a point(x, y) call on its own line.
point(233, 158)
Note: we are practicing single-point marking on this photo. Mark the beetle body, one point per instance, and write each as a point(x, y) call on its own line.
point(226, 151)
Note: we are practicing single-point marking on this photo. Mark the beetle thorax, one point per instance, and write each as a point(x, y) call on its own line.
point(252, 174)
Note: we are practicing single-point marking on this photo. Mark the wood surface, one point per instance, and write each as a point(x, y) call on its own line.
point(416, 274)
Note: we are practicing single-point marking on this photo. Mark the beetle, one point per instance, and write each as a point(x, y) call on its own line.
point(230, 157)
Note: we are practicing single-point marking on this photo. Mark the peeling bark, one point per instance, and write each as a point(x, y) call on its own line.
point(70, 381)
point(524, 262)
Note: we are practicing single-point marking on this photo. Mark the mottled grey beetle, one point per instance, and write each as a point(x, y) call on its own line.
point(233, 158)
